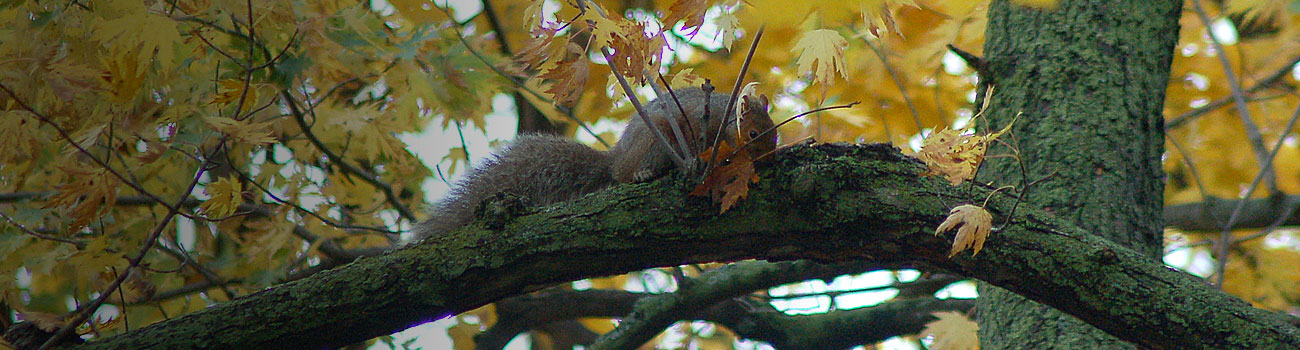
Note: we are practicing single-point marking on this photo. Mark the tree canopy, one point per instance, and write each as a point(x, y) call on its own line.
point(160, 158)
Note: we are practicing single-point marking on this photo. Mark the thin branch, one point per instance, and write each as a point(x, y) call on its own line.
point(519, 85)
point(1265, 167)
point(731, 102)
point(902, 90)
point(366, 176)
point(641, 112)
point(78, 244)
point(1187, 117)
point(89, 309)
point(1252, 131)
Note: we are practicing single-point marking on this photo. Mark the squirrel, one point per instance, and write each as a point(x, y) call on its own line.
point(545, 169)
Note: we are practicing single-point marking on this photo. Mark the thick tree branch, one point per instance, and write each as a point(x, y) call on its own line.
point(828, 203)
point(752, 320)
point(1210, 214)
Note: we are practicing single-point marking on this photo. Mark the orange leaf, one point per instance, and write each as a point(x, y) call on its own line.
point(729, 182)
point(690, 10)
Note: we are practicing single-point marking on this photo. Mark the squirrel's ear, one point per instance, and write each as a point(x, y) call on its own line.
point(763, 100)
point(745, 105)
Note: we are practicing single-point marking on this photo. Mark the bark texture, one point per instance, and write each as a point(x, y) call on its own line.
point(1088, 82)
point(829, 203)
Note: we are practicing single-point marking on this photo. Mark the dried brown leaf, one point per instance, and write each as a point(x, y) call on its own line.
point(976, 222)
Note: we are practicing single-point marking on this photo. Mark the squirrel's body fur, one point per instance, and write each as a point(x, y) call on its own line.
point(543, 170)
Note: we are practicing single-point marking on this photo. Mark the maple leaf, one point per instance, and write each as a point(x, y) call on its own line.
point(540, 47)
point(90, 191)
point(685, 78)
point(225, 197)
point(231, 90)
point(533, 14)
point(729, 181)
point(956, 156)
point(690, 10)
point(456, 156)
point(976, 222)
point(952, 331)
point(878, 13)
point(635, 52)
point(727, 24)
point(568, 76)
point(242, 132)
point(822, 49)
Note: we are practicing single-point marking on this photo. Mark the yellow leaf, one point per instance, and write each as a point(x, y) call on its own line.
point(952, 331)
point(225, 197)
point(456, 156)
point(533, 14)
point(954, 155)
point(823, 49)
point(975, 225)
point(242, 131)
point(727, 24)
point(90, 191)
point(685, 78)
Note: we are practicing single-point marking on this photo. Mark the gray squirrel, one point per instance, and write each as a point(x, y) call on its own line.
point(544, 169)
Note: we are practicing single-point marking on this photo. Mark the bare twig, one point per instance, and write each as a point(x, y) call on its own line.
point(640, 110)
point(519, 85)
point(731, 102)
point(366, 176)
point(1226, 235)
point(1252, 131)
point(78, 244)
point(89, 309)
point(1186, 117)
point(902, 90)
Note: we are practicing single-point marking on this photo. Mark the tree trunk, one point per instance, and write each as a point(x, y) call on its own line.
point(1088, 80)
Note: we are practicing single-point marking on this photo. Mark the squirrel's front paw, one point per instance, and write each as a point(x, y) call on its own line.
point(644, 175)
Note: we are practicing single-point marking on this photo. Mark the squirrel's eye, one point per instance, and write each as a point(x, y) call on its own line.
point(753, 134)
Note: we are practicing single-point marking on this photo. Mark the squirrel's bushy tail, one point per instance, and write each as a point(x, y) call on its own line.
point(541, 169)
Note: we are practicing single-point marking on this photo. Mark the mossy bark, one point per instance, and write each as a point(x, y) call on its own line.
point(1087, 80)
point(828, 203)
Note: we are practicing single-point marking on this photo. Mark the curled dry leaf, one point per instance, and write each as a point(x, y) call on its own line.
point(976, 222)
point(729, 180)
point(954, 155)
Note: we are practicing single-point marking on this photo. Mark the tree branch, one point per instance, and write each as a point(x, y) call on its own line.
point(829, 203)
point(1255, 213)
point(834, 330)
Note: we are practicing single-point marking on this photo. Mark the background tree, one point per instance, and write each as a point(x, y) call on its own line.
point(163, 157)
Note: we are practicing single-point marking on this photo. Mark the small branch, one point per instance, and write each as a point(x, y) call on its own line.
point(1270, 80)
point(343, 164)
point(567, 112)
point(731, 102)
point(1264, 171)
point(78, 244)
point(640, 110)
point(902, 90)
point(89, 309)
point(650, 317)
point(1239, 100)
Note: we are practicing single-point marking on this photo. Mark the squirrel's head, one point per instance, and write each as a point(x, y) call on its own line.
point(753, 125)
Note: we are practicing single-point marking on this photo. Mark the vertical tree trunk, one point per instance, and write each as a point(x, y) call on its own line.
point(1089, 78)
